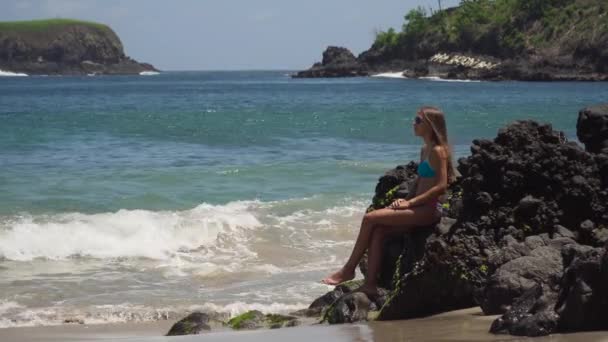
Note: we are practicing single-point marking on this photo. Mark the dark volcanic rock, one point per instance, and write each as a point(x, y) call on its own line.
point(436, 283)
point(523, 234)
point(400, 255)
point(536, 266)
point(532, 314)
point(395, 183)
point(338, 55)
point(536, 179)
point(352, 307)
point(337, 62)
point(592, 128)
point(583, 297)
point(526, 196)
point(319, 305)
point(579, 302)
point(193, 324)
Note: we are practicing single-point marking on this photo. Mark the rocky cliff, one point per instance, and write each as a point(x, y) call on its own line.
point(490, 40)
point(64, 47)
point(525, 235)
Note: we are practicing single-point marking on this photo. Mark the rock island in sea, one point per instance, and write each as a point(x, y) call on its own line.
point(524, 235)
point(64, 47)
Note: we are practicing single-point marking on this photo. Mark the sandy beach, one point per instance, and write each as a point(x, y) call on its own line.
point(460, 325)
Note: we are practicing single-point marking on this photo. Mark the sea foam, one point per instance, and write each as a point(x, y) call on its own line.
point(179, 238)
point(398, 74)
point(11, 74)
point(126, 313)
point(126, 233)
point(439, 79)
point(149, 73)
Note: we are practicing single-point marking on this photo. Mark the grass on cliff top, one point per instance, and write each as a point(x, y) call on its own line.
point(45, 24)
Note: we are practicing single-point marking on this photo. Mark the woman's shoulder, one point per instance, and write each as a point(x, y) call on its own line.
point(439, 152)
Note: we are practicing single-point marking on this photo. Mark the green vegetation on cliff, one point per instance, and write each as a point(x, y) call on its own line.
point(46, 24)
point(501, 28)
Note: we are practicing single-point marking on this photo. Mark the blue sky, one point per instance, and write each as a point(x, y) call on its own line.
point(229, 34)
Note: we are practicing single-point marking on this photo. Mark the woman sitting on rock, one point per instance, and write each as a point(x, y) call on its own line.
point(420, 209)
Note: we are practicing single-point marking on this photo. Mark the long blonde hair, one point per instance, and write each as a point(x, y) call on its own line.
point(436, 119)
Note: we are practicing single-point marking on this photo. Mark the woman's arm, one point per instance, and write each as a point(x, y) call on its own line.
point(438, 158)
point(401, 203)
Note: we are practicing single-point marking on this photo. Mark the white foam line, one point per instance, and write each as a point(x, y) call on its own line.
point(439, 79)
point(21, 316)
point(398, 74)
point(11, 74)
point(149, 73)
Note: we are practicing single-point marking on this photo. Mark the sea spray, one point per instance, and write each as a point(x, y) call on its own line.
point(126, 233)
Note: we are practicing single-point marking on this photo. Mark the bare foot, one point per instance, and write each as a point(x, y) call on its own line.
point(370, 291)
point(338, 277)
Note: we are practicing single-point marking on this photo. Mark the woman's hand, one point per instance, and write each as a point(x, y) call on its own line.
point(399, 204)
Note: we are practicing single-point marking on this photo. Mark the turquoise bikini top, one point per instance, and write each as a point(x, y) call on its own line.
point(425, 170)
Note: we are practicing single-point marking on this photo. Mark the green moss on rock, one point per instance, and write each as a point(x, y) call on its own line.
point(249, 317)
point(255, 319)
point(382, 202)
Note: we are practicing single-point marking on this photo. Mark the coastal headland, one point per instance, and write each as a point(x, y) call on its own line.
point(485, 40)
point(64, 47)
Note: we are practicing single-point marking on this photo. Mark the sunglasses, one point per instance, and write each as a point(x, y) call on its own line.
point(417, 120)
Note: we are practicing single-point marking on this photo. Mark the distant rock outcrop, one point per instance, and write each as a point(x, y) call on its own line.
point(64, 47)
point(337, 62)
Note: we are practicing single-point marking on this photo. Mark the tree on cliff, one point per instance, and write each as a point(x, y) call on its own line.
point(501, 28)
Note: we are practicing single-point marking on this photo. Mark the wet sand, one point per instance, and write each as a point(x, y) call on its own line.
point(460, 325)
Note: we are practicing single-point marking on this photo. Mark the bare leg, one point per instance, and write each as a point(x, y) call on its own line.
point(374, 255)
point(418, 216)
point(374, 259)
point(347, 272)
point(422, 215)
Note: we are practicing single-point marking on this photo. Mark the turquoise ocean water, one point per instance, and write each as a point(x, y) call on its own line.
point(133, 198)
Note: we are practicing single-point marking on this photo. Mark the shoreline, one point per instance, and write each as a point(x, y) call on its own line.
point(460, 325)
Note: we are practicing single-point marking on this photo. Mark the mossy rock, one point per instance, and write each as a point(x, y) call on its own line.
point(255, 319)
point(350, 285)
point(248, 320)
point(275, 321)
